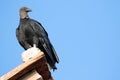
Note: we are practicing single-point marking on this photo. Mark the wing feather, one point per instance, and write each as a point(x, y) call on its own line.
point(40, 31)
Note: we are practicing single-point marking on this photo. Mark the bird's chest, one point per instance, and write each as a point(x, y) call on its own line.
point(27, 30)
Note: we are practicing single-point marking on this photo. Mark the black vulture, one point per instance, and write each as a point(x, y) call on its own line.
point(30, 32)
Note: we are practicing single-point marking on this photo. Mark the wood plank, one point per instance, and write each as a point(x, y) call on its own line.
point(32, 75)
point(24, 68)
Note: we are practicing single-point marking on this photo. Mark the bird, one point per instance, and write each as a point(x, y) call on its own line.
point(31, 33)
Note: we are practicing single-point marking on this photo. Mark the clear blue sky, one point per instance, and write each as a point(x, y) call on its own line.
point(85, 34)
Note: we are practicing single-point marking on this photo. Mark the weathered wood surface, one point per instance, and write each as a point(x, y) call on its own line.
point(38, 63)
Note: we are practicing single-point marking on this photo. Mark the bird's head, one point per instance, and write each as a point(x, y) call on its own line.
point(23, 12)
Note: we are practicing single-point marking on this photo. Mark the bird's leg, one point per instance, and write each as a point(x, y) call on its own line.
point(34, 45)
point(35, 41)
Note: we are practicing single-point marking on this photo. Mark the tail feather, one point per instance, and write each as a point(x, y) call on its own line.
point(54, 54)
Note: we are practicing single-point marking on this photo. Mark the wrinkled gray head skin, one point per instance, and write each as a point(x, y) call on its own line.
point(23, 12)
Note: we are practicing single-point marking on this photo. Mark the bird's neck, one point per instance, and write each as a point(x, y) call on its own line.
point(24, 17)
point(23, 20)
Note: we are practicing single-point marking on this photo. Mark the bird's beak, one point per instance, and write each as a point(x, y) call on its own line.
point(29, 10)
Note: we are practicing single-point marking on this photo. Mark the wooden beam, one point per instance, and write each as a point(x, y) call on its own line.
point(32, 75)
point(38, 62)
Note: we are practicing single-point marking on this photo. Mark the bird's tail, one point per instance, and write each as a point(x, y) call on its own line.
point(54, 53)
